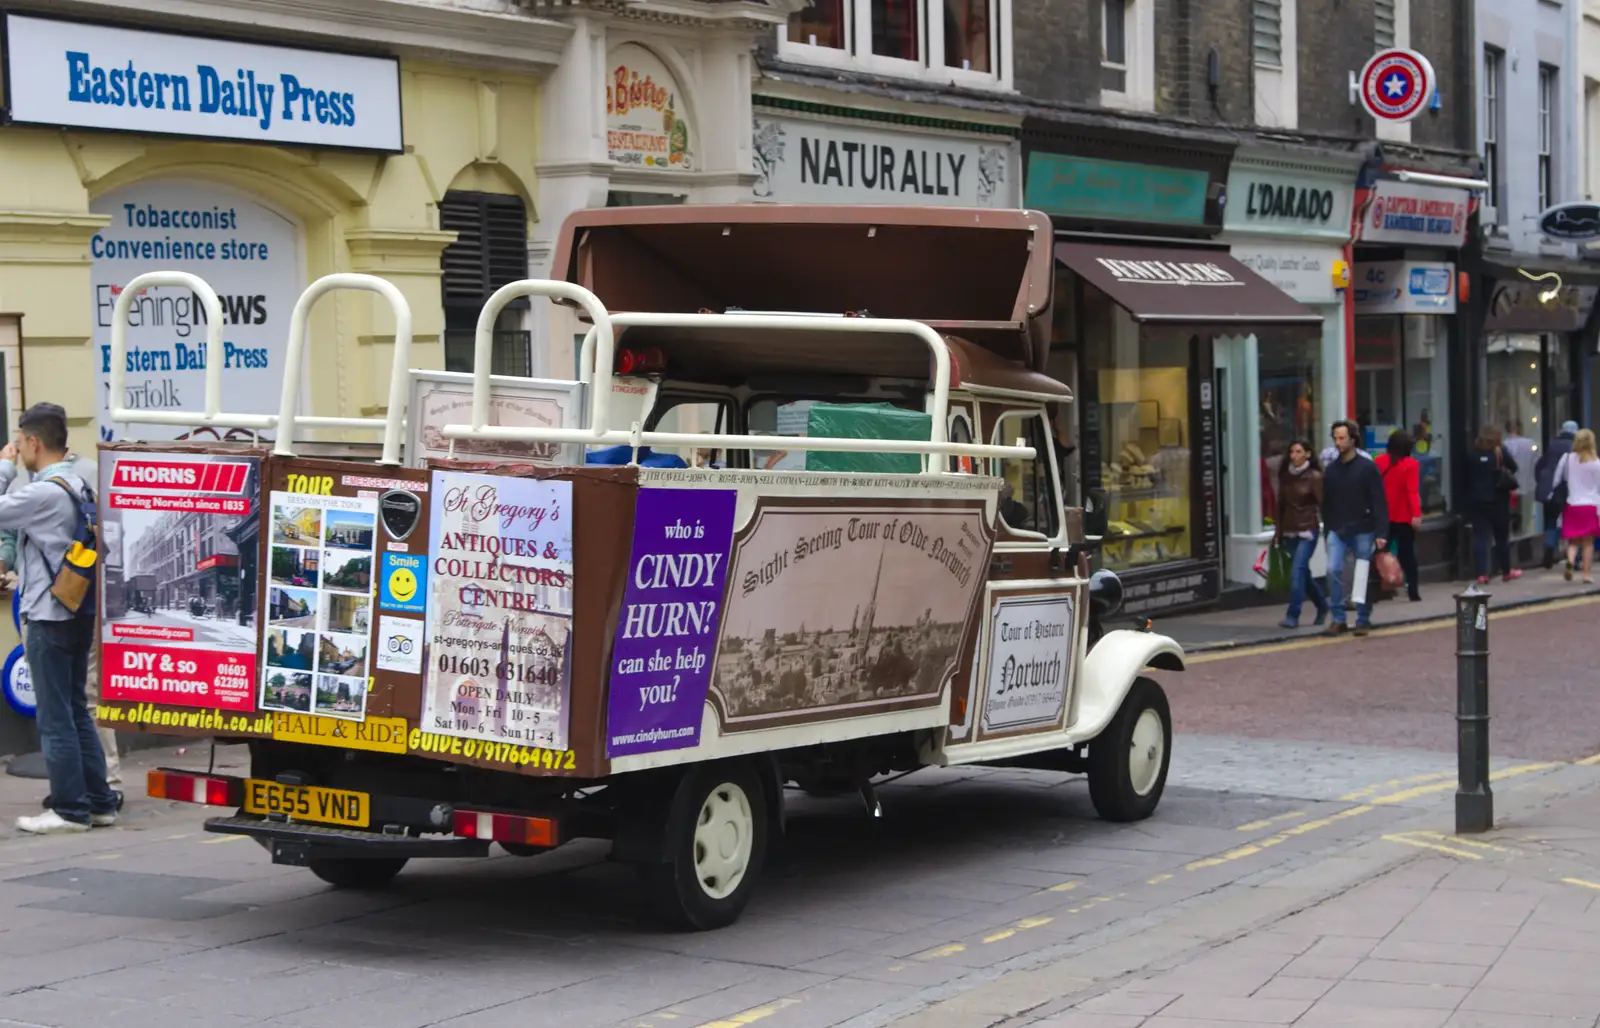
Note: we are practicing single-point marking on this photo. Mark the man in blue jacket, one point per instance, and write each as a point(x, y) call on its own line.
point(45, 513)
point(1355, 514)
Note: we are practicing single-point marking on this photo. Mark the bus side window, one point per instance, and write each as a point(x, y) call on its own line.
point(695, 417)
point(1028, 498)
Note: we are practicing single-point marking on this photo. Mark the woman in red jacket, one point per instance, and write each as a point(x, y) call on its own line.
point(1401, 476)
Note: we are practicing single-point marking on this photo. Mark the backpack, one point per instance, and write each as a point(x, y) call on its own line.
point(73, 584)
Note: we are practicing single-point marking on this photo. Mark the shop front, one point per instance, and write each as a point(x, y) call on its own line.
point(809, 152)
point(1288, 220)
point(1142, 326)
point(259, 166)
point(1405, 372)
point(1535, 332)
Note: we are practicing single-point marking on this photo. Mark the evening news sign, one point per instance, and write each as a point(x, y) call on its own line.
point(73, 75)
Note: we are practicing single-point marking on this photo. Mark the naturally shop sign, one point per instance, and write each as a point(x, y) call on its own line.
point(62, 73)
point(805, 161)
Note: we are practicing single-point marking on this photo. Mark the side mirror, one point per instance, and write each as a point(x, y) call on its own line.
point(1096, 518)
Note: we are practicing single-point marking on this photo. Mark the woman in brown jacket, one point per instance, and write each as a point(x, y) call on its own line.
point(1298, 527)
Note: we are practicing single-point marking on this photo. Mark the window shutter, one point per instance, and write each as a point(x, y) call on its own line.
point(1268, 32)
point(1383, 23)
point(491, 247)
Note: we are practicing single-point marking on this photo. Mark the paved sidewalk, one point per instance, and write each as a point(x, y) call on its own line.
point(1500, 931)
point(1252, 626)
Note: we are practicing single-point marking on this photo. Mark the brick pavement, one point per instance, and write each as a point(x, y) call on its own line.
point(1498, 931)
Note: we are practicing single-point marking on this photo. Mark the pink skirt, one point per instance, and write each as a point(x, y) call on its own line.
point(1580, 522)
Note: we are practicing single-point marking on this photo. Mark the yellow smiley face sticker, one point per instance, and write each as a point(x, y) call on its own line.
point(402, 585)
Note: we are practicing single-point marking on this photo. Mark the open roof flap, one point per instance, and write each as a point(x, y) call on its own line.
point(983, 274)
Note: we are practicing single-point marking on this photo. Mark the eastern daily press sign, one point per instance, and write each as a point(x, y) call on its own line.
point(63, 73)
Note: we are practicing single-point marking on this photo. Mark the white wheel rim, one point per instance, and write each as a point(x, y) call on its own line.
point(723, 835)
point(1146, 751)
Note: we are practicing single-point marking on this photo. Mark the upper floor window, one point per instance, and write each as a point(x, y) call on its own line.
point(1127, 60)
point(941, 40)
point(1383, 24)
point(1267, 36)
point(1547, 109)
point(1114, 46)
point(1493, 83)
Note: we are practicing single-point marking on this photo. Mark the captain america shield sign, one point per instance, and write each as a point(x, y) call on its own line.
point(1396, 85)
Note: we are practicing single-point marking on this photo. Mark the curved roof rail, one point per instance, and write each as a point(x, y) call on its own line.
point(596, 371)
point(212, 415)
point(292, 361)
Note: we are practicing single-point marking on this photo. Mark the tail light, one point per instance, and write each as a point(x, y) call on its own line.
point(529, 831)
point(207, 790)
point(640, 362)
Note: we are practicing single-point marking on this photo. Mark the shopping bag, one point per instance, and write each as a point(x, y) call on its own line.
point(1280, 569)
point(1389, 572)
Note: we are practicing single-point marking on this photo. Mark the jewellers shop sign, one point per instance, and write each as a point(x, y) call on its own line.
point(804, 161)
point(73, 75)
point(1415, 215)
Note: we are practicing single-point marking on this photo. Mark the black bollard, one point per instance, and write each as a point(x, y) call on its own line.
point(1474, 798)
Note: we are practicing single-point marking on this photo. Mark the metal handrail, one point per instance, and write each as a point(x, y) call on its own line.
point(392, 420)
point(212, 416)
point(595, 369)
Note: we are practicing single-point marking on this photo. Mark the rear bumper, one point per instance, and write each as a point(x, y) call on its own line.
point(297, 844)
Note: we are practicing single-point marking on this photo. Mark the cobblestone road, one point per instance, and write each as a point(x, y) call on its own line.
point(1398, 689)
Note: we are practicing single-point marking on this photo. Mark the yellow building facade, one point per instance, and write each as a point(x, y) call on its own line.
point(83, 208)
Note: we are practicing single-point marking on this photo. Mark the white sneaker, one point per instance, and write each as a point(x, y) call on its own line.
point(49, 823)
point(102, 820)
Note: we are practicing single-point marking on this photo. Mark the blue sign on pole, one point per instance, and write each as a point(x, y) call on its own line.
point(16, 682)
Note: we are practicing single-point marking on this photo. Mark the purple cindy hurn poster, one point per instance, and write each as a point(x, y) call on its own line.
point(671, 611)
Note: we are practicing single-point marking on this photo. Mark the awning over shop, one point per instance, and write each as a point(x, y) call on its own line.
point(1183, 286)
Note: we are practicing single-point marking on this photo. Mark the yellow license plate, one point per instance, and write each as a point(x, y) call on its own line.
point(307, 803)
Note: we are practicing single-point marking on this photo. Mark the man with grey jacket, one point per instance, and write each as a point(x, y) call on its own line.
point(45, 513)
point(85, 469)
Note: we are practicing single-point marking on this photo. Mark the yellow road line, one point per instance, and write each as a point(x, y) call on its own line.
point(1459, 841)
point(1588, 761)
point(752, 1015)
point(1158, 879)
point(1393, 783)
point(1021, 926)
point(1420, 626)
point(220, 839)
point(1272, 840)
point(942, 951)
point(1406, 840)
point(1580, 881)
point(1063, 887)
point(1255, 826)
point(1427, 790)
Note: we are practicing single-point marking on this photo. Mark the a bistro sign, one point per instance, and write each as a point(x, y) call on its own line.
point(646, 122)
point(63, 73)
point(804, 161)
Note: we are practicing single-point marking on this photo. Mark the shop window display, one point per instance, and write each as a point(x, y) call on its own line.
point(1290, 389)
point(1513, 372)
point(1402, 382)
point(1145, 451)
